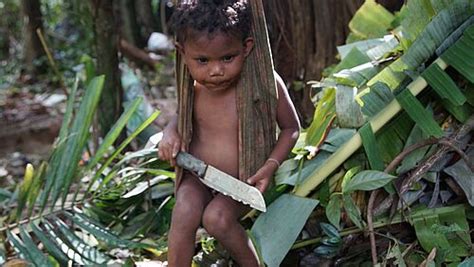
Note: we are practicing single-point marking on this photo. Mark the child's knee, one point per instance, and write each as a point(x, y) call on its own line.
point(217, 222)
point(186, 215)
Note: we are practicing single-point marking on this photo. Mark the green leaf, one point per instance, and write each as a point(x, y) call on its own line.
point(371, 148)
point(114, 132)
point(463, 176)
point(349, 114)
point(38, 182)
point(5, 194)
point(348, 176)
point(461, 113)
point(322, 119)
point(276, 230)
point(19, 246)
point(89, 252)
point(443, 85)
point(333, 210)
point(59, 146)
point(89, 67)
point(285, 170)
point(352, 211)
point(415, 157)
point(38, 258)
point(118, 151)
point(419, 114)
point(379, 96)
point(299, 176)
point(371, 20)
point(455, 244)
point(467, 262)
point(50, 245)
point(65, 245)
point(74, 145)
point(460, 55)
point(25, 188)
point(367, 181)
point(100, 232)
point(354, 58)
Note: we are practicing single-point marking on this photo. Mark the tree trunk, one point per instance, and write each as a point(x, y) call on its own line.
point(129, 28)
point(32, 49)
point(304, 36)
point(106, 41)
point(4, 44)
point(145, 18)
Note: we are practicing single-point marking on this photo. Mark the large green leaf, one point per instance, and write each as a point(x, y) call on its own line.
point(75, 143)
point(367, 181)
point(446, 229)
point(443, 85)
point(371, 20)
point(276, 230)
point(419, 114)
point(59, 147)
point(460, 55)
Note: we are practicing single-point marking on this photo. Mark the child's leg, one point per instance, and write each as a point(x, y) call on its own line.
point(191, 198)
point(221, 220)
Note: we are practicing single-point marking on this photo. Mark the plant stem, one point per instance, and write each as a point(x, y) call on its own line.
point(348, 231)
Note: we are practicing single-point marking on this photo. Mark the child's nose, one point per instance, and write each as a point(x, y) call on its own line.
point(217, 69)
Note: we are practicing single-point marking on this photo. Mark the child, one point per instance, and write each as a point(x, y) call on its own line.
point(213, 37)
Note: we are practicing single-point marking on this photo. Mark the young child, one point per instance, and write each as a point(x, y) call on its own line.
point(213, 37)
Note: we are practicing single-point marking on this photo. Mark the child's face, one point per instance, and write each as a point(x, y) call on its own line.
point(215, 62)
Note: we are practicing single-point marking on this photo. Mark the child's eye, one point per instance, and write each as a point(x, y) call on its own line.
point(202, 60)
point(227, 58)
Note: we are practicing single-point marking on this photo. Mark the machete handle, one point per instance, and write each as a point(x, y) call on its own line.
point(191, 163)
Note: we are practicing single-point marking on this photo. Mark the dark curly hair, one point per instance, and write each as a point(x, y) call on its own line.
point(211, 16)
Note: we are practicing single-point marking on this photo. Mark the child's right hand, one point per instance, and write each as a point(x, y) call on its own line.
point(170, 146)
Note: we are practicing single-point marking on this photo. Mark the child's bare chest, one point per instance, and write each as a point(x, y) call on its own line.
point(215, 115)
point(215, 131)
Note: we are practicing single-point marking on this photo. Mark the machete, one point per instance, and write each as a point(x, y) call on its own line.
point(222, 182)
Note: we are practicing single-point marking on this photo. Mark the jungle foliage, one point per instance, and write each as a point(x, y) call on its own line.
point(389, 153)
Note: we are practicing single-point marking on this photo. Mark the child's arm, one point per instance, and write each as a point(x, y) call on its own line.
point(290, 129)
point(171, 143)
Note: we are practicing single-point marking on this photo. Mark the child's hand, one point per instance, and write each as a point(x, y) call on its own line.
point(262, 178)
point(170, 146)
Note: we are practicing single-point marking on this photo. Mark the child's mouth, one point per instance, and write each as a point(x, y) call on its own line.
point(218, 85)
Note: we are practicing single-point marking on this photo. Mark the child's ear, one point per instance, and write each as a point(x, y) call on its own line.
point(179, 47)
point(248, 45)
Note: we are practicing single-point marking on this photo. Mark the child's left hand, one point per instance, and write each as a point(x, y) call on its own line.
point(262, 178)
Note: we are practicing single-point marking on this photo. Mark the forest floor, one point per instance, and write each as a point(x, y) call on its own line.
point(31, 112)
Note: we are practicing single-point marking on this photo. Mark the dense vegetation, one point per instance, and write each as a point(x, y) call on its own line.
point(382, 175)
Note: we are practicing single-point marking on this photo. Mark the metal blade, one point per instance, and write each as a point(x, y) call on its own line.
point(233, 187)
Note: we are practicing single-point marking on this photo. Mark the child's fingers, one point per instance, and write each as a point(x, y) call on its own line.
point(251, 180)
point(176, 148)
point(262, 185)
point(254, 179)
